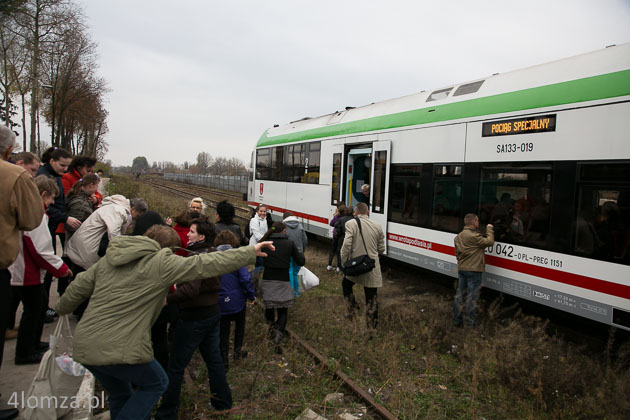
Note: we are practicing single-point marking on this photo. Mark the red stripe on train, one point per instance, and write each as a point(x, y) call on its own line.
point(295, 213)
point(578, 280)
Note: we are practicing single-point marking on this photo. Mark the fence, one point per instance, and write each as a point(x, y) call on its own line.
point(227, 183)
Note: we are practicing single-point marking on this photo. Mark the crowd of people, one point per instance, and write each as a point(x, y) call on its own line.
point(149, 292)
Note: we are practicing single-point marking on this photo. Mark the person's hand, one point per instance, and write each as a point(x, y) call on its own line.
point(93, 199)
point(73, 223)
point(169, 221)
point(260, 245)
point(68, 273)
point(251, 302)
point(489, 225)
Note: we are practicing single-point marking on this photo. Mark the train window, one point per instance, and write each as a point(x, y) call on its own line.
point(263, 164)
point(277, 166)
point(295, 162)
point(405, 194)
point(378, 186)
point(336, 179)
point(468, 88)
point(516, 200)
point(602, 224)
point(313, 162)
point(447, 194)
point(439, 94)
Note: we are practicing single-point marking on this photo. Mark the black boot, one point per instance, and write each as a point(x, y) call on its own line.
point(272, 330)
point(352, 307)
point(277, 339)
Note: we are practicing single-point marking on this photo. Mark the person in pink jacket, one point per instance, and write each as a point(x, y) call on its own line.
point(35, 257)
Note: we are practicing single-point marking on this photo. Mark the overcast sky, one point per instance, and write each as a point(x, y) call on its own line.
point(211, 76)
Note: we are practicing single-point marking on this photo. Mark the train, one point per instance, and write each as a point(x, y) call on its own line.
point(542, 153)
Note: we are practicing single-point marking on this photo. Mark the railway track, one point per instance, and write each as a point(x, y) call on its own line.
point(234, 197)
point(209, 196)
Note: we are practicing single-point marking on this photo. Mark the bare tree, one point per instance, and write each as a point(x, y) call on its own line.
point(236, 167)
point(40, 23)
point(204, 162)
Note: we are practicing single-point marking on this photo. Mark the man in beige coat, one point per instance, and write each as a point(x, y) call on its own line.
point(353, 247)
point(469, 251)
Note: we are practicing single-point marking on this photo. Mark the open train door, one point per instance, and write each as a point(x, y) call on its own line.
point(379, 190)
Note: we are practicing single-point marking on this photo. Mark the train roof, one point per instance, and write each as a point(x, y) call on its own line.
point(592, 76)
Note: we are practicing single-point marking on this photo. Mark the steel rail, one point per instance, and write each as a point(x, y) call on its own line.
point(365, 396)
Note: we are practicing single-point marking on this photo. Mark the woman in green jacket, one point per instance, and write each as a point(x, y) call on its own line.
point(127, 289)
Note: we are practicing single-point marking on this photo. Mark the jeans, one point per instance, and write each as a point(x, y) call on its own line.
point(190, 335)
point(239, 334)
point(466, 297)
point(125, 403)
point(335, 249)
point(294, 269)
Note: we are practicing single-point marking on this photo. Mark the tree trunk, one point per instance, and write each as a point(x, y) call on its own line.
point(24, 122)
point(35, 82)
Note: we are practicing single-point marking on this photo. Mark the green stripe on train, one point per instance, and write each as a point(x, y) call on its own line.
point(589, 89)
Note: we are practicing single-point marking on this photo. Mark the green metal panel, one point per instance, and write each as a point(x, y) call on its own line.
point(588, 89)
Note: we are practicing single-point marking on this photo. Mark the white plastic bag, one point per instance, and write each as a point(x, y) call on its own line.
point(69, 366)
point(307, 279)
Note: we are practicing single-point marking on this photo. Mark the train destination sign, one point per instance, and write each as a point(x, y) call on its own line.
point(538, 124)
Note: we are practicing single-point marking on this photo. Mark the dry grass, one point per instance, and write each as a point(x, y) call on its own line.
point(417, 364)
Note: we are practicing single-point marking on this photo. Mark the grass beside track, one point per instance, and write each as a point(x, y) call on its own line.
point(417, 365)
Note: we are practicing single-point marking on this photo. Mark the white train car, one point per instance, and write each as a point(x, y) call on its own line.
point(543, 153)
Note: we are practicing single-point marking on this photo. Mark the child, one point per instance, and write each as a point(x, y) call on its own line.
point(27, 274)
point(236, 287)
point(81, 200)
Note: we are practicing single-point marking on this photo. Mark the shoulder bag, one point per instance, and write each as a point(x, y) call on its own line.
point(361, 264)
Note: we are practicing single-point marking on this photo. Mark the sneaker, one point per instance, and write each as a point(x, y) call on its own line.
point(51, 313)
point(330, 268)
point(338, 270)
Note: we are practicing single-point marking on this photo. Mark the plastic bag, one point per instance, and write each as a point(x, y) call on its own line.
point(307, 279)
point(69, 366)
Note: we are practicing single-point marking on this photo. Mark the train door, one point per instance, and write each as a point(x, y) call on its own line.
point(358, 173)
point(379, 189)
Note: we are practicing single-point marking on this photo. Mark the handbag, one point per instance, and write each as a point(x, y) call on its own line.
point(361, 264)
point(52, 386)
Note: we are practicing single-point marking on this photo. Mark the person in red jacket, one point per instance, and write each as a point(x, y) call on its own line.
point(36, 256)
point(79, 166)
point(182, 227)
